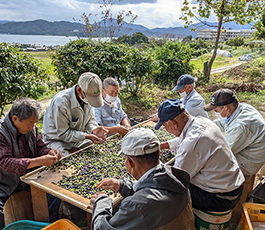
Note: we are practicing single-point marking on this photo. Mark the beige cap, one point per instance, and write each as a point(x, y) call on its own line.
point(91, 85)
point(139, 142)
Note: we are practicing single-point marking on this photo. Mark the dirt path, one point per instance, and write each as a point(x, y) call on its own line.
point(224, 68)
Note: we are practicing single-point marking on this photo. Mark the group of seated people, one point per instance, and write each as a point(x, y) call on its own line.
point(212, 158)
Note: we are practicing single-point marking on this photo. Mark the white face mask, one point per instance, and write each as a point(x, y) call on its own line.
point(110, 99)
point(183, 94)
point(218, 115)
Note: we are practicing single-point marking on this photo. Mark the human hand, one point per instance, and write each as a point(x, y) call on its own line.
point(56, 152)
point(101, 132)
point(109, 183)
point(95, 139)
point(122, 130)
point(93, 197)
point(154, 117)
point(49, 159)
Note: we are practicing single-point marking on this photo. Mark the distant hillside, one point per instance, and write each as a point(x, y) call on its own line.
point(4, 21)
point(64, 28)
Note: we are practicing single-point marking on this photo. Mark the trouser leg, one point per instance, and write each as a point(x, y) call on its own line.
point(53, 207)
point(3, 199)
point(206, 201)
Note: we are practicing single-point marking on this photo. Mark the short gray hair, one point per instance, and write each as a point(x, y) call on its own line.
point(109, 81)
point(24, 108)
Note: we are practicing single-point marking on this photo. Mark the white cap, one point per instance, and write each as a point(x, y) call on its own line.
point(139, 142)
point(91, 85)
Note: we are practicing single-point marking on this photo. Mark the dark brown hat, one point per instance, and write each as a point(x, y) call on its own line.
point(221, 97)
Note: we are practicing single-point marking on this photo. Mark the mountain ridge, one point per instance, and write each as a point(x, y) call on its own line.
point(66, 28)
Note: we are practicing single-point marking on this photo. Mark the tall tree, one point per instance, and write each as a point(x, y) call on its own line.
point(240, 11)
point(109, 22)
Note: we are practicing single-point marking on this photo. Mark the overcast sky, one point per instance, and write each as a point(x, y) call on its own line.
point(151, 13)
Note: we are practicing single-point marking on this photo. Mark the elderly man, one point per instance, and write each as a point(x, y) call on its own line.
point(201, 150)
point(21, 149)
point(69, 122)
point(192, 100)
point(159, 199)
point(244, 129)
point(111, 113)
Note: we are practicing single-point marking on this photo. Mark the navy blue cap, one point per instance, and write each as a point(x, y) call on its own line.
point(183, 80)
point(169, 109)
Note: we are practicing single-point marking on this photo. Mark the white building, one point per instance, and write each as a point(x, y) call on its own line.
point(210, 34)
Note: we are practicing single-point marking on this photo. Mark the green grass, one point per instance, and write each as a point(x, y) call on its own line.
point(46, 62)
point(218, 62)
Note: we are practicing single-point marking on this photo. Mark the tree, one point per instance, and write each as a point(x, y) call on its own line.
point(187, 39)
point(173, 60)
point(236, 42)
point(105, 59)
point(140, 67)
point(20, 76)
point(260, 26)
point(108, 23)
point(241, 11)
point(136, 38)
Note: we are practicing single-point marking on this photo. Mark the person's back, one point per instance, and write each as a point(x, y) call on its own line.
point(158, 199)
point(214, 168)
point(201, 150)
point(165, 190)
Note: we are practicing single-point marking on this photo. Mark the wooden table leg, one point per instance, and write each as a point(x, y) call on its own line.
point(39, 204)
point(89, 218)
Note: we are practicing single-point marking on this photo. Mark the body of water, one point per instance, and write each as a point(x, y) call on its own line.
point(39, 39)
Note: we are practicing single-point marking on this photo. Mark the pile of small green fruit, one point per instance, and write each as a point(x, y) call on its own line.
point(97, 162)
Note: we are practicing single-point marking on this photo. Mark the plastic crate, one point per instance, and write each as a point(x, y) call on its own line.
point(252, 212)
point(62, 224)
point(25, 225)
point(258, 194)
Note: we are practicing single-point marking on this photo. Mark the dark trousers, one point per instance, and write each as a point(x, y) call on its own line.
point(3, 199)
point(53, 207)
point(215, 202)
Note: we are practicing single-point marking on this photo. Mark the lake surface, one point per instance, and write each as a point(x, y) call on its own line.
point(39, 39)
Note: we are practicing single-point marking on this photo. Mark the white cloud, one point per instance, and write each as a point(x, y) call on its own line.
point(151, 13)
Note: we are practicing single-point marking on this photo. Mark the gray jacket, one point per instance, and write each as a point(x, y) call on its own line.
point(157, 200)
point(66, 121)
point(194, 104)
point(245, 135)
point(10, 181)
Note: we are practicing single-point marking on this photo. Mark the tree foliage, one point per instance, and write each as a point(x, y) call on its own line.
point(236, 42)
point(173, 60)
point(136, 38)
point(200, 47)
point(103, 58)
point(20, 76)
point(260, 26)
point(241, 11)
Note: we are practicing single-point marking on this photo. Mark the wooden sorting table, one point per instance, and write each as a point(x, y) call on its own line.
point(41, 185)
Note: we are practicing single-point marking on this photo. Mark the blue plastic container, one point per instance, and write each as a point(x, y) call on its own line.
point(26, 225)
